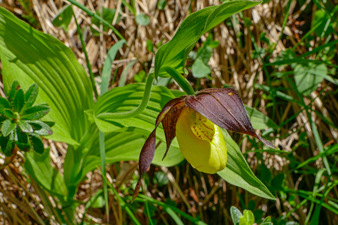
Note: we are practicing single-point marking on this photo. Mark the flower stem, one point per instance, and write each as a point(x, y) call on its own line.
point(139, 109)
point(184, 84)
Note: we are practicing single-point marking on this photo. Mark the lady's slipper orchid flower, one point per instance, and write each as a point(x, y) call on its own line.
point(195, 120)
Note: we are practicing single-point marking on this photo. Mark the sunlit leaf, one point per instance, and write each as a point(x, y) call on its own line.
point(63, 83)
point(237, 171)
point(175, 52)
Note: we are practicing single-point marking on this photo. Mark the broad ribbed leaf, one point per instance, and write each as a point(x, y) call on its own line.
point(224, 108)
point(237, 171)
point(175, 52)
point(40, 168)
point(31, 57)
point(127, 98)
point(127, 146)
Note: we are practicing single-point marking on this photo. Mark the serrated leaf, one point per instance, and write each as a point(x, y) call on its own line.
point(40, 128)
point(237, 171)
point(7, 127)
point(175, 52)
point(63, 82)
point(63, 18)
point(24, 126)
point(235, 215)
point(37, 144)
point(9, 148)
point(12, 92)
point(8, 113)
point(3, 142)
point(4, 104)
point(142, 19)
point(18, 101)
point(22, 141)
point(36, 112)
point(31, 95)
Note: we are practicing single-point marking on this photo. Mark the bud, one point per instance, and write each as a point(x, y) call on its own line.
point(201, 142)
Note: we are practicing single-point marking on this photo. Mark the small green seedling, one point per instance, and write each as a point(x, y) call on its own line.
point(20, 121)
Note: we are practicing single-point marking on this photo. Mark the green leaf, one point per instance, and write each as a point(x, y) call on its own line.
point(127, 98)
point(235, 215)
point(237, 171)
point(106, 14)
point(12, 92)
point(142, 19)
point(150, 46)
point(37, 144)
point(161, 4)
point(35, 112)
point(24, 126)
point(40, 128)
point(3, 142)
point(22, 141)
point(63, 18)
point(259, 120)
point(247, 218)
point(161, 178)
point(125, 145)
point(175, 52)
point(106, 71)
point(40, 169)
point(199, 69)
point(324, 29)
point(4, 104)
point(63, 83)
point(18, 101)
point(9, 148)
point(31, 95)
point(308, 76)
point(7, 127)
point(123, 77)
point(8, 113)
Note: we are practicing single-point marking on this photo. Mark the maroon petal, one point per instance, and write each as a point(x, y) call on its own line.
point(169, 123)
point(146, 157)
point(224, 108)
point(148, 149)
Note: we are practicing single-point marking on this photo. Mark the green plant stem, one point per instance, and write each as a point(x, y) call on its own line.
point(86, 56)
point(182, 82)
point(90, 13)
point(103, 168)
point(139, 109)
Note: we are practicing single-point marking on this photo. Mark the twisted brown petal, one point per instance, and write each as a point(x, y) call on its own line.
point(148, 149)
point(224, 108)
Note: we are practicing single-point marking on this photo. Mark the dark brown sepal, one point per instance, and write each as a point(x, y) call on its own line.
point(148, 149)
point(169, 123)
point(224, 108)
